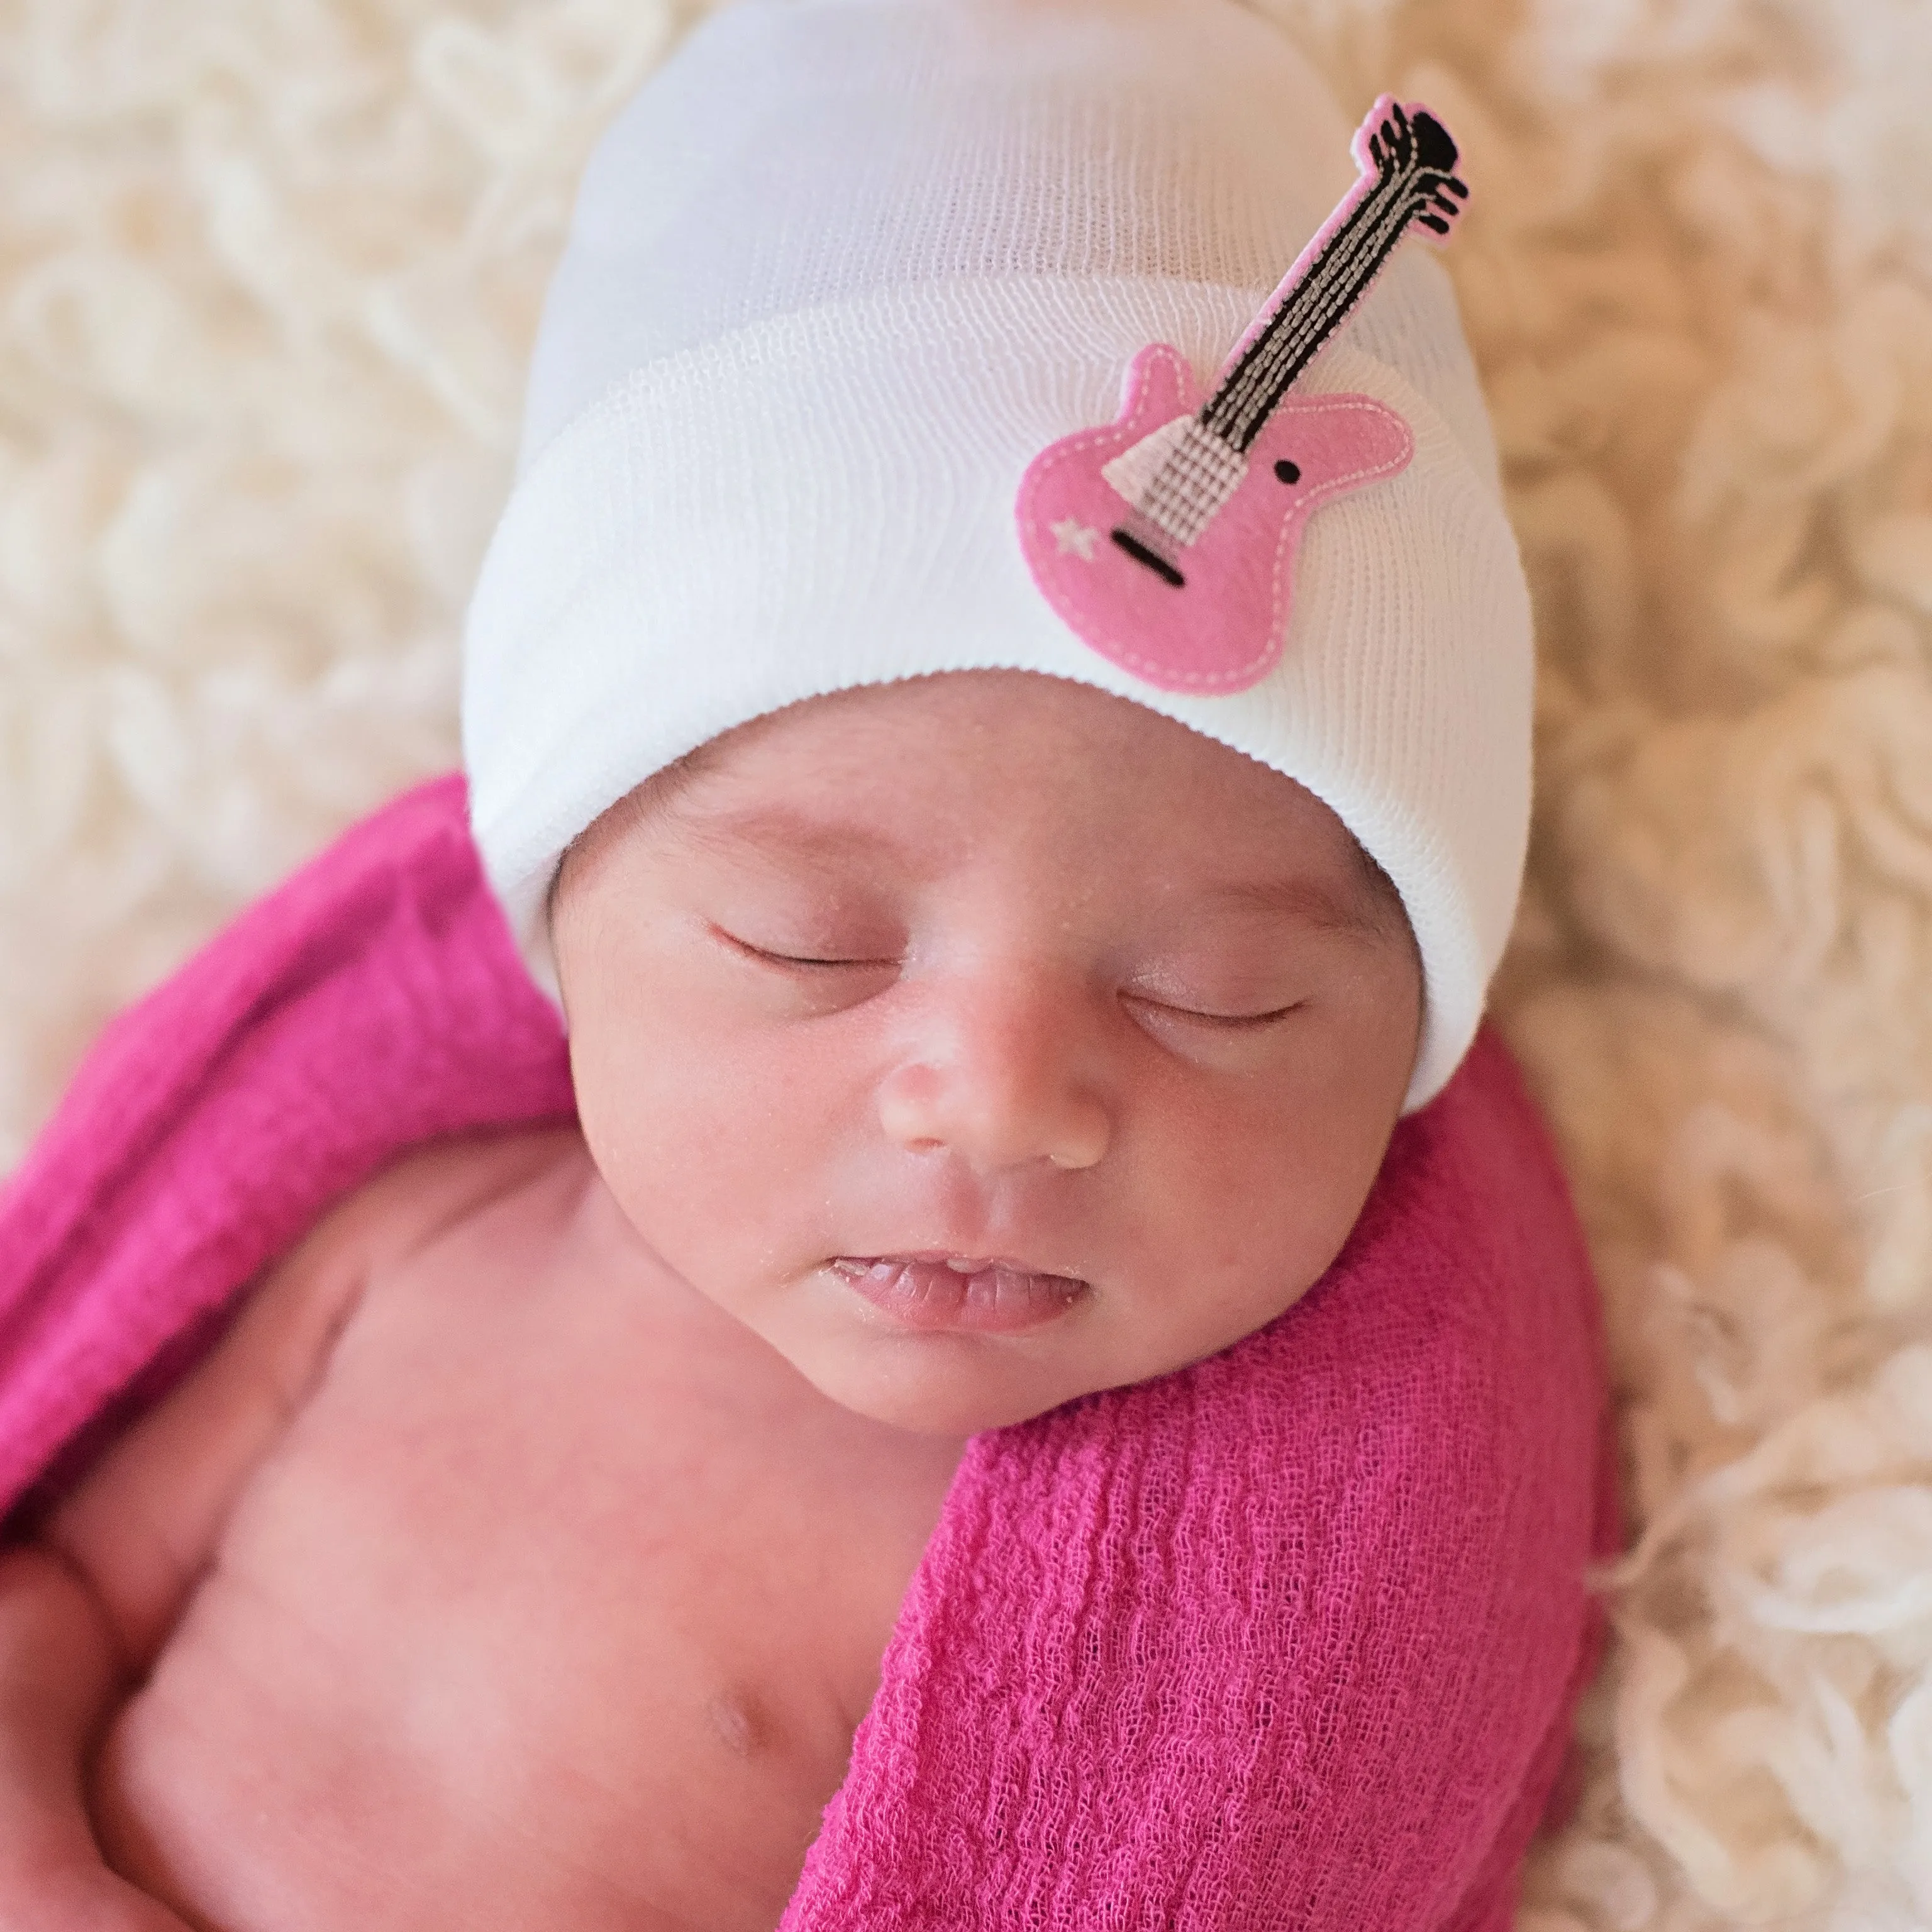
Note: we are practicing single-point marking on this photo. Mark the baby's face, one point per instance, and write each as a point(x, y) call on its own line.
point(983, 1040)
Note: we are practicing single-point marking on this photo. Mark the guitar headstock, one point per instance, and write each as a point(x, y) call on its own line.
point(1409, 147)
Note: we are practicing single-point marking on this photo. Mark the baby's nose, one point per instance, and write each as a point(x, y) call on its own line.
point(1000, 1076)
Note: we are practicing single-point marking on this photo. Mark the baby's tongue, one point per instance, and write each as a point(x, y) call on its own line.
point(991, 1296)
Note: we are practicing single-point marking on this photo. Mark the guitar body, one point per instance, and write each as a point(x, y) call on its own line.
point(1220, 628)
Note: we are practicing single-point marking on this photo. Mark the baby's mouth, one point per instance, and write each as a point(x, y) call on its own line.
point(993, 1295)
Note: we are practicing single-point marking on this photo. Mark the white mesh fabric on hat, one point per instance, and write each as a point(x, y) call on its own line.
point(836, 276)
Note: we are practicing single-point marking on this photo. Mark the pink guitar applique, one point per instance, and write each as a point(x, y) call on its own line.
point(1167, 539)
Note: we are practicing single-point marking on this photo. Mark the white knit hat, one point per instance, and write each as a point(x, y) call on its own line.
point(837, 275)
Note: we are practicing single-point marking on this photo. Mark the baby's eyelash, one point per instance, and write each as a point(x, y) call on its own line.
point(1229, 1022)
point(799, 959)
point(810, 963)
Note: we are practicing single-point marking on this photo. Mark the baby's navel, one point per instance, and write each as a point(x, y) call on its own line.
point(742, 1721)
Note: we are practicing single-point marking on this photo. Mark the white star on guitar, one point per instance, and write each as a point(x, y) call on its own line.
point(1071, 534)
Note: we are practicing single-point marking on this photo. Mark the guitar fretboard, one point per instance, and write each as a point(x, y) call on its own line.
point(1412, 158)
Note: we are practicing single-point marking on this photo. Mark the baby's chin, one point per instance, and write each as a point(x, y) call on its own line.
point(947, 1392)
point(919, 1355)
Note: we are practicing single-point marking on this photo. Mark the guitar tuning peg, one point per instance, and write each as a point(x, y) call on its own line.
point(1460, 189)
point(1433, 142)
point(1434, 223)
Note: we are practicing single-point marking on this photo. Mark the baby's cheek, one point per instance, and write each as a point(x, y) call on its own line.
point(1244, 1200)
point(708, 1146)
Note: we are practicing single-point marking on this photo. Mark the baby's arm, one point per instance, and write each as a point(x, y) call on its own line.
point(86, 1610)
point(61, 1675)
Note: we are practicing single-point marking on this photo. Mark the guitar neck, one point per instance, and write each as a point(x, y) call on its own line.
point(1321, 290)
point(1308, 314)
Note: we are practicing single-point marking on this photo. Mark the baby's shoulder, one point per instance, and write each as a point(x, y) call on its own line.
point(303, 1300)
point(143, 1523)
point(419, 1197)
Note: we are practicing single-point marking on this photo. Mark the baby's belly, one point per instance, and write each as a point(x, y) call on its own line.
point(280, 1775)
point(529, 1624)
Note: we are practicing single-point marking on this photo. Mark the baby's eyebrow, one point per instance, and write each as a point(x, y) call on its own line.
point(792, 833)
point(1311, 901)
point(786, 829)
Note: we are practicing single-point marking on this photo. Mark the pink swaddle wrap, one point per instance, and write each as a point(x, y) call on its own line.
point(1288, 1639)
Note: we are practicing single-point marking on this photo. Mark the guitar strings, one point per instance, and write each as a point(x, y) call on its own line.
point(1198, 475)
point(1311, 298)
point(1431, 189)
point(1338, 257)
point(1190, 486)
point(1270, 372)
point(1298, 353)
point(1175, 500)
point(1196, 478)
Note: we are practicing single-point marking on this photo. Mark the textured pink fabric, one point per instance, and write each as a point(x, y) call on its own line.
point(1289, 1640)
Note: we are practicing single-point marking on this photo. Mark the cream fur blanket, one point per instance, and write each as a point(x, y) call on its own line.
point(267, 276)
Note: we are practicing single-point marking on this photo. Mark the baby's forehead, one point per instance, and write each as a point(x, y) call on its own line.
point(1020, 742)
point(896, 779)
point(959, 717)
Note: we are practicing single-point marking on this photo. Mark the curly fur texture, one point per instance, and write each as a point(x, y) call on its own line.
point(267, 278)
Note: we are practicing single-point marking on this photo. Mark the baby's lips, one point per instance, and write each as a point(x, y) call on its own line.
point(927, 1292)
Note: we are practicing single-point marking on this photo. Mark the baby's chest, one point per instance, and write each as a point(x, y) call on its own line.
point(547, 1580)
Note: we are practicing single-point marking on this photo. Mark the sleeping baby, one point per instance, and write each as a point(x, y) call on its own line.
point(880, 1278)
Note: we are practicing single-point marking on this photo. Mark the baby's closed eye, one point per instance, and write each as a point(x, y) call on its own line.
point(1206, 994)
point(1204, 1010)
point(805, 953)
